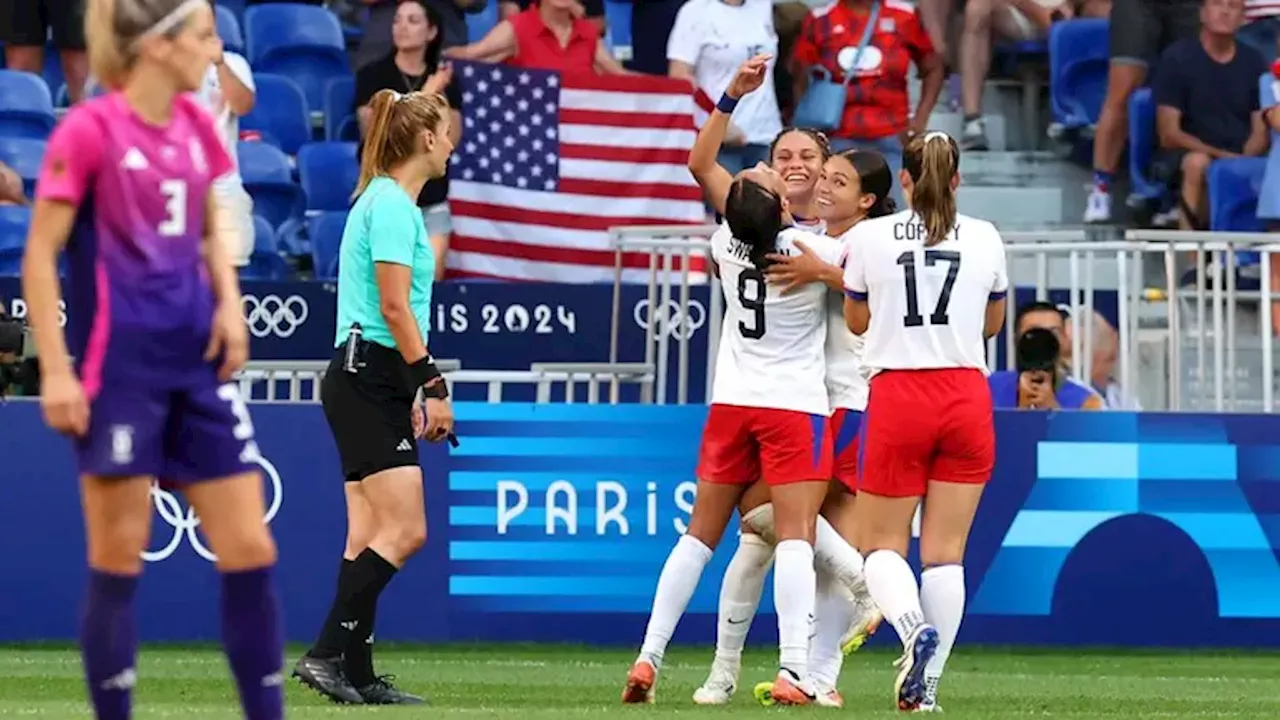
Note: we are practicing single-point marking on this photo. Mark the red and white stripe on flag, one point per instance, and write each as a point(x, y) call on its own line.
point(548, 163)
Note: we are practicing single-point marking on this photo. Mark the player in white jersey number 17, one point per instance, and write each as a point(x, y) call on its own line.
point(768, 420)
point(935, 282)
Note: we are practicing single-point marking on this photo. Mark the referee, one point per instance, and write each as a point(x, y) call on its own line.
point(382, 391)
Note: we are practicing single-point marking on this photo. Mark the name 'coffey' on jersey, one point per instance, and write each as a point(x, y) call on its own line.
point(928, 305)
point(771, 344)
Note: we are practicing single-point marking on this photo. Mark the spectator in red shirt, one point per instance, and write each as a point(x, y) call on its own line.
point(592, 10)
point(548, 36)
point(876, 115)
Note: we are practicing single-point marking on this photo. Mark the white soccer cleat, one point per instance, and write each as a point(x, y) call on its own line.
point(720, 685)
point(866, 621)
point(825, 696)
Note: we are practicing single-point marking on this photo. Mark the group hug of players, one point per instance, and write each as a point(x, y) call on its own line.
point(850, 385)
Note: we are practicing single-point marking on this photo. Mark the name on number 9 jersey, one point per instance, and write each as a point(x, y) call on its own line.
point(139, 300)
point(928, 304)
point(771, 344)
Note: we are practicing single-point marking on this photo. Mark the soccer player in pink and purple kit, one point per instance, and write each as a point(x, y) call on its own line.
point(156, 332)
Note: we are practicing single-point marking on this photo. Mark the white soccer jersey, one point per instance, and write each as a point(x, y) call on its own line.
point(847, 377)
point(928, 305)
point(771, 344)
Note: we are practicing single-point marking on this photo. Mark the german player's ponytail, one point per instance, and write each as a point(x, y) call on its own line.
point(754, 215)
point(394, 130)
point(107, 58)
point(932, 162)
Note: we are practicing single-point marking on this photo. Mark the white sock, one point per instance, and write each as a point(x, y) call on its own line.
point(760, 520)
point(679, 578)
point(942, 596)
point(794, 590)
point(832, 614)
point(740, 596)
point(893, 588)
point(836, 557)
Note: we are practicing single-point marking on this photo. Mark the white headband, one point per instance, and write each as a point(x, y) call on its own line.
point(936, 135)
point(175, 18)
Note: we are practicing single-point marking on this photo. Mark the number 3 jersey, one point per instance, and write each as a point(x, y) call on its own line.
point(139, 301)
point(928, 304)
point(771, 344)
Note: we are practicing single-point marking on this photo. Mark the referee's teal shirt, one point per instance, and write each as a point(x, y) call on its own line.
point(385, 225)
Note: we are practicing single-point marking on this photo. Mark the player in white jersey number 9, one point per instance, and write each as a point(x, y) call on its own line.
point(768, 420)
point(925, 288)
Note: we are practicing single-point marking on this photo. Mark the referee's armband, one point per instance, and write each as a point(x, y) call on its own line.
point(424, 374)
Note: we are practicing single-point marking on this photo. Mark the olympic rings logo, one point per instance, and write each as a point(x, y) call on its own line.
point(670, 319)
point(273, 316)
point(186, 524)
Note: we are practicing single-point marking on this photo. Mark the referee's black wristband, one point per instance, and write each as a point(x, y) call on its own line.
point(424, 374)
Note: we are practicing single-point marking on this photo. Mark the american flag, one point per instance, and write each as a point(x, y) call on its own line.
point(548, 162)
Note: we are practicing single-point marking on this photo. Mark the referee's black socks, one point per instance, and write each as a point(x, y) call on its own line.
point(348, 630)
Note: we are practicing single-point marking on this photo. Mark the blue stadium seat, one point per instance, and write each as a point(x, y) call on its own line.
point(237, 8)
point(26, 107)
point(281, 110)
point(479, 24)
point(1078, 62)
point(24, 155)
point(303, 42)
point(269, 181)
point(617, 16)
point(329, 173)
point(265, 263)
point(339, 110)
point(326, 235)
point(229, 29)
point(52, 73)
point(1234, 185)
point(14, 220)
point(1142, 146)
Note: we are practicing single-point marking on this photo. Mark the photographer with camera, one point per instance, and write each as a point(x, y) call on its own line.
point(19, 369)
point(1039, 382)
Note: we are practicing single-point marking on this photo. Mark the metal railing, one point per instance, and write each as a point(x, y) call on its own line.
point(299, 380)
point(1189, 337)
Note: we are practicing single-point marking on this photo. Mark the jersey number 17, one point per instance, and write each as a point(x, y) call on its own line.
point(939, 316)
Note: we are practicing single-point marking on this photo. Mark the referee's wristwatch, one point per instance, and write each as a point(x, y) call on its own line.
point(424, 374)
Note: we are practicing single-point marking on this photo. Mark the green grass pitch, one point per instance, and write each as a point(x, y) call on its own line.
point(552, 682)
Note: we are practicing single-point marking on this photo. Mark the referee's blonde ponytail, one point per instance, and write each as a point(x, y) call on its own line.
point(394, 131)
point(931, 161)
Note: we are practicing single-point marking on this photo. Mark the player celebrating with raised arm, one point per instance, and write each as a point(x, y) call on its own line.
point(768, 420)
point(926, 288)
point(156, 330)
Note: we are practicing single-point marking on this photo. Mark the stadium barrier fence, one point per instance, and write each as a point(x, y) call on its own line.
point(550, 523)
point(1192, 330)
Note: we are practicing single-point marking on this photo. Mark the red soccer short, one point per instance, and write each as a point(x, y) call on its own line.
point(743, 444)
point(845, 428)
point(924, 425)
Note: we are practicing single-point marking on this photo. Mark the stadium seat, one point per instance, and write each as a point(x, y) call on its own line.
point(1078, 62)
point(266, 262)
point(1234, 185)
point(26, 107)
point(329, 173)
point(281, 110)
point(14, 220)
point(302, 42)
point(326, 235)
point(269, 181)
point(52, 73)
point(1142, 146)
point(24, 156)
point(229, 29)
point(339, 110)
point(617, 16)
point(479, 24)
point(237, 8)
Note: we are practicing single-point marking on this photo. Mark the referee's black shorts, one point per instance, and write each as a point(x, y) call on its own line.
point(369, 413)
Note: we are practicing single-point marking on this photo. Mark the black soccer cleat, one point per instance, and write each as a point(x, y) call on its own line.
point(326, 677)
point(383, 692)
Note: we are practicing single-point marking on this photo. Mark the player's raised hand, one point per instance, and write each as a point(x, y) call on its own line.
point(229, 339)
point(750, 76)
point(64, 405)
point(439, 80)
point(792, 271)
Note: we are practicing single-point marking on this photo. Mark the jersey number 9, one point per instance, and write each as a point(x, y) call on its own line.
point(751, 294)
point(907, 260)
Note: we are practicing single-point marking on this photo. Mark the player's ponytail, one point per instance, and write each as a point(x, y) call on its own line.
point(932, 162)
point(394, 130)
point(107, 59)
point(754, 215)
